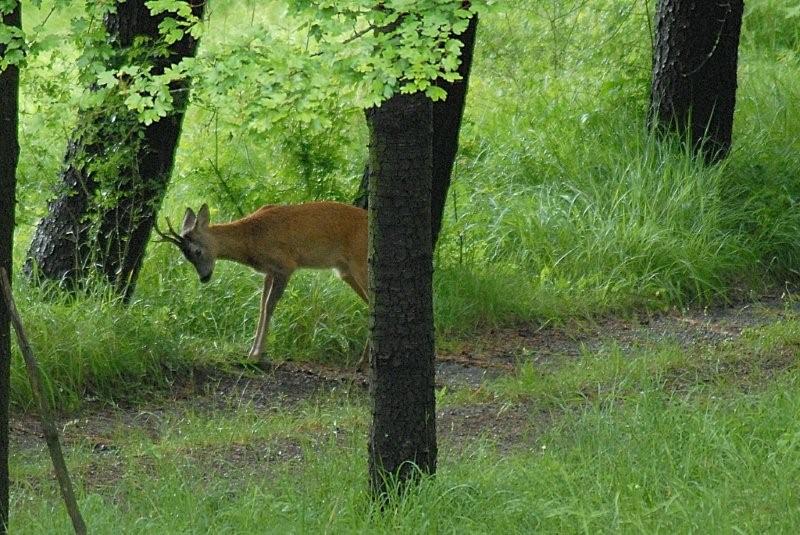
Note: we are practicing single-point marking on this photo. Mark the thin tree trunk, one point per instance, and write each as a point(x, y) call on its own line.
point(403, 436)
point(79, 235)
point(694, 71)
point(447, 116)
point(9, 156)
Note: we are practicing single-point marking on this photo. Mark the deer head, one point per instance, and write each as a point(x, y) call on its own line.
point(194, 241)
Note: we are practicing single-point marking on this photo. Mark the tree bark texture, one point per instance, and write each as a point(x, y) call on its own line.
point(79, 236)
point(9, 156)
point(694, 71)
point(447, 116)
point(403, 436)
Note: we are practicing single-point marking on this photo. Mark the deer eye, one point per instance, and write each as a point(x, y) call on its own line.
point(190, 252)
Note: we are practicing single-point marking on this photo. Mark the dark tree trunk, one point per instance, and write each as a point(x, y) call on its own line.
point(447, 115)
point(80, 235)
point(61, 246)
point(694, 71)
point(9, 155)
point(400, 288)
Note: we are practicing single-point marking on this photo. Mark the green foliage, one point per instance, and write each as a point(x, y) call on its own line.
point(351, 52)
point(562, 205)
point(12, 39)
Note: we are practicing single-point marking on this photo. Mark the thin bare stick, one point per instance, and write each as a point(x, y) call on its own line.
point(50, 432)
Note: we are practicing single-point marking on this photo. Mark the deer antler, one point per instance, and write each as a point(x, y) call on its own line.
point(172, 237)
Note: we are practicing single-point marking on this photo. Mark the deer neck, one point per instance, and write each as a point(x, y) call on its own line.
point(231, 243)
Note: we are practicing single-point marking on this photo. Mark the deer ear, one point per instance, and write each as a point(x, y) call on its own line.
point(189, 220)
point(203, 216)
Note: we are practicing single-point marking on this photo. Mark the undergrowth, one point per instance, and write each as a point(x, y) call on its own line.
point(563, 205)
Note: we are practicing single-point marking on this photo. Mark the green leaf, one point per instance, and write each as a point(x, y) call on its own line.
point(436, 93)
point(107, 78)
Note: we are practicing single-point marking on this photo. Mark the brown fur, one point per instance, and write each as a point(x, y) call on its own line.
point(277, 240)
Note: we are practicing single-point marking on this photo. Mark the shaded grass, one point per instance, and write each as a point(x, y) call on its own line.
point(99, 348)
point(89, 347)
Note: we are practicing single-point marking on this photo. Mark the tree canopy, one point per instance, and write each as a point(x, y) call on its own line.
point(323, 55)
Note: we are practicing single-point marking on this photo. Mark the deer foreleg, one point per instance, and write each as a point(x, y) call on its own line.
point(363, 362)
point(274, 285)
point(258, 342)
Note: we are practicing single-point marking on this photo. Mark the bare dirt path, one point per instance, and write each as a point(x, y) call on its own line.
point(502, 350)
point(488, 356)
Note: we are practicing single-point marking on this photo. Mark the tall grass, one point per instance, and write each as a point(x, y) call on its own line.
point(563, 205)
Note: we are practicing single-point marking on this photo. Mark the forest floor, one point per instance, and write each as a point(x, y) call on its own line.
point(102, 430)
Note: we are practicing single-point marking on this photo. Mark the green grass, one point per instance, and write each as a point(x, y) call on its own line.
point(624, 450)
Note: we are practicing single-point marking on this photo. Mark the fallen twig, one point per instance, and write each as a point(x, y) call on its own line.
point(50, 432)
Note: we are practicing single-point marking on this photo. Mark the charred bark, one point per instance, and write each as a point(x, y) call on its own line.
point(9, 156)
point(403, 436)
point(694, 72)
point(80, 235)
point(447, 116)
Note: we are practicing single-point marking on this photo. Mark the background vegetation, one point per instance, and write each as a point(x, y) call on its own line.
point(563, 208)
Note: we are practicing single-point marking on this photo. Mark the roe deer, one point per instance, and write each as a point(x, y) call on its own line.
point(276, 240)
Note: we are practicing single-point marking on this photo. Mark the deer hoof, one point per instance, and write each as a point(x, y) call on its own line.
point(363, 362)
point(254, 356)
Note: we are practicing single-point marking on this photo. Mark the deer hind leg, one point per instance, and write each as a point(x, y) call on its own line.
point(355, 275)
point(359, 288)
point(355, 285)
point(274, 285)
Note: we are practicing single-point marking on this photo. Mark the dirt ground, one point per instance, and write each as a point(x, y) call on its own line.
point(489, 356)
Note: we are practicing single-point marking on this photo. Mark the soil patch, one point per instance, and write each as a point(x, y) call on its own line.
point(506, 425)
point(486, 357)
point(500, 351)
